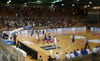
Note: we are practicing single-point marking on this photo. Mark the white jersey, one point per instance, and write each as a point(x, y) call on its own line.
point(67, 56)
point(72, 55)
point(37, 36)
point(98, 49)
point(79, 53)
point(55, 40)
point(88, 51)
point(94, 50)
point(57, 56)
point(85, 39)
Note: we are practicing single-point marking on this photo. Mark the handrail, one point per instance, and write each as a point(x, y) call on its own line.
point(9, 49)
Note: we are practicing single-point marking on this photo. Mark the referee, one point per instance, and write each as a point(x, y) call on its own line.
point(86, 43)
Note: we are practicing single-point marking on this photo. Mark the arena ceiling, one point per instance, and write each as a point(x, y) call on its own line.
point(64, 3)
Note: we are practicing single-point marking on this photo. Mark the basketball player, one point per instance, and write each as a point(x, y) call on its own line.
point(37, 36)
point(55, 42)
point(41, 33)
point(45, 38)
point(49, 38)
point(73, 39)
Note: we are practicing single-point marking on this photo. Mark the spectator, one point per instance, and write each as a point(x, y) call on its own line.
point(98, 49)
point(67, 56)
point(79, 53)
point(72, 55)
point(75, 53)
point(50, 58)
point(40, 58)
point(88, 51)
point(82, 52)
point(57, 56)
point(85, 51)
point(94, 52)
point(60, 22)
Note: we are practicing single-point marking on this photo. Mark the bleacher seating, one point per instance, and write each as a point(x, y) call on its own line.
point(7, 53)
point(6, 56)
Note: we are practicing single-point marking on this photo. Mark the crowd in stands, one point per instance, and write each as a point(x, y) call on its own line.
point(51, 22)
point(30, 17)
point(76, 54)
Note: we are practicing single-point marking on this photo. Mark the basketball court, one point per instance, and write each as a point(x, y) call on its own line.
point(64, 43)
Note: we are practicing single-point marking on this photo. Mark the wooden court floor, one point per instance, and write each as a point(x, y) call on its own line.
point(65, 42)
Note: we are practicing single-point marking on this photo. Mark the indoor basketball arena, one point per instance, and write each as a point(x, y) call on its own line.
point(49, 30)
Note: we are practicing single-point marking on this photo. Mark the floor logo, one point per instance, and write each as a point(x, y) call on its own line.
point(96, 34)
point(78, 37)
point(95, 41)
point(50, 47)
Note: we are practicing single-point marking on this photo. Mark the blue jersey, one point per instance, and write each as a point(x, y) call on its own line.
point(49, 38)
point(32, 33)
point(76, 54)
point(85, 52)
point(45, 38)
point(73, 39)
